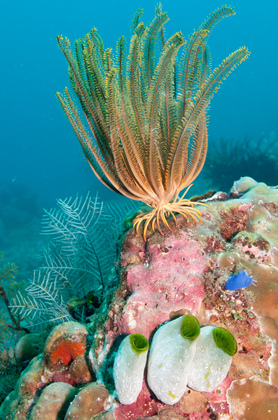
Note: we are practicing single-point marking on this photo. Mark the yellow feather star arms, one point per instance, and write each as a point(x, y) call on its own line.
point(145, 134)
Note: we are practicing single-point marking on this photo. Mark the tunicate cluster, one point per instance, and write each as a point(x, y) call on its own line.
point(181, 354)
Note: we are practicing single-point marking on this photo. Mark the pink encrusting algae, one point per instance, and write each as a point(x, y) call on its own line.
point(181, 260)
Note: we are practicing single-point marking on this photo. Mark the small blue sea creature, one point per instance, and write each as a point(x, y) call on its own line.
point(239, 281)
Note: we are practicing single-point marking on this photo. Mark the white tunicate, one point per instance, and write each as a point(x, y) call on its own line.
point(210, 364)
point(129, 366)
point(170, 358)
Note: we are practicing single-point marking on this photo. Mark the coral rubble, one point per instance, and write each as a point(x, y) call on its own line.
point(183, 271)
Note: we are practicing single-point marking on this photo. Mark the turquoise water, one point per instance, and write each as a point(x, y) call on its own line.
point(39, 150)
point(41, 159)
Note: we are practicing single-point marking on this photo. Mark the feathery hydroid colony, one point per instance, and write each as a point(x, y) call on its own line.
point(146, 112)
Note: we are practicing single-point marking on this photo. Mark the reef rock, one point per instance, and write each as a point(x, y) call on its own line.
point(63, 361)
point(183, 271)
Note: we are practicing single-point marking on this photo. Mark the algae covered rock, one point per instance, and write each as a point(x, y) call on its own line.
point(65, 354)
point(90, 401)
point(63, 362)
point(17, 404)
point(29, 346)
point(53, 401)
point(182, 272)
point(185, 272)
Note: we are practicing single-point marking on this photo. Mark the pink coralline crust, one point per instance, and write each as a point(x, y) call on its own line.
point(217, 397)
point(143, 406)
point(234, 220)
point(132, 250)
point(244, 208)
point(199, 416)
point(169, 280)
point(147, 406)
point(214, 244)
point(62, 377)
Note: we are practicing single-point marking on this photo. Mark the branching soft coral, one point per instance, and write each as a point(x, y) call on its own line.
point(146, 112)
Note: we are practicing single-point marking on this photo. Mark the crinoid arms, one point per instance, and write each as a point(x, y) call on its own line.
point(146, 133)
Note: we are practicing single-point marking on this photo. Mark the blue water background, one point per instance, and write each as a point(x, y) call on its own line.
point(40, 155)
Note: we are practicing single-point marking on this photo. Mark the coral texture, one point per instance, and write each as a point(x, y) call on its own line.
point(184, 271)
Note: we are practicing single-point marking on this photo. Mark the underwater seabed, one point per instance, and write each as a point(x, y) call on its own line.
point(184, 271)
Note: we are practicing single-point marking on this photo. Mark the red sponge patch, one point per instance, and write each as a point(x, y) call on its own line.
point(67, 351)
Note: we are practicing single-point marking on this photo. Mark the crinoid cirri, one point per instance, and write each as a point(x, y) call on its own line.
point(145, 134)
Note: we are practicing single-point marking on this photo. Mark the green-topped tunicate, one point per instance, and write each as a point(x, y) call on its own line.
point(171, 353)
point(129, 366)
point(213, 357)
point(225, 340)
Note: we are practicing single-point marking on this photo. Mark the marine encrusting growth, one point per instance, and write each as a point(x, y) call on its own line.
point(181, 354)
point(146, 132)
point(182, 272)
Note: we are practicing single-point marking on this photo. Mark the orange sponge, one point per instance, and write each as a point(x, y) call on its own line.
point(68, 351)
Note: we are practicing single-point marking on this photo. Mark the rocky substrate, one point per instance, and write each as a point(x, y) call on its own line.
point(180, 272)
